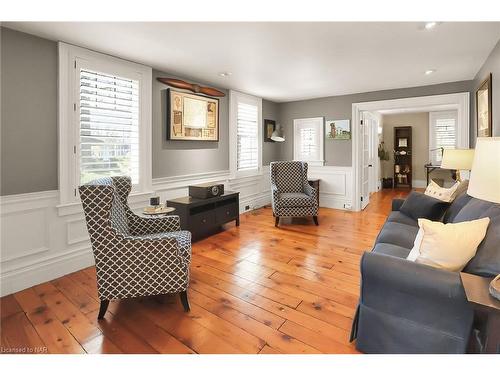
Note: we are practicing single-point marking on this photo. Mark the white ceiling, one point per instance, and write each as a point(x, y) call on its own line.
point(292, 60)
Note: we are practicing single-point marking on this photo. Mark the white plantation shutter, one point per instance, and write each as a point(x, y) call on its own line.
point(308, 140)
point(109, 126)
point(247, 137)
point(308, 144)
point(443, 129)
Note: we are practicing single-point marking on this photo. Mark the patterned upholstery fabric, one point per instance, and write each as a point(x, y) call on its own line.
point(295, 200)
point(134, 256)
point(291, 193)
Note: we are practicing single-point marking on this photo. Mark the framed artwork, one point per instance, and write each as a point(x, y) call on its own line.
point(483, 108)
point(338, 129)
point(269, 128)
point(192, 117)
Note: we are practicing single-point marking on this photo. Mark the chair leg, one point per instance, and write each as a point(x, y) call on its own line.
point(277, 221)
point(103, 309)
point(315, 218)
point(184, 300)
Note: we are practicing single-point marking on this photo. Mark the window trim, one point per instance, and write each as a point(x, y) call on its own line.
point(320, 124)
point(234, 98)
point(432, 139)
point(71, 57)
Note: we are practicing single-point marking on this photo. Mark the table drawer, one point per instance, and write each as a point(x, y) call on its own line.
point(226, 213)
point(202, 220)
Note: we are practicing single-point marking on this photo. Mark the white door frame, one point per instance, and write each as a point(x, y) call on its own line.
point(458, 101)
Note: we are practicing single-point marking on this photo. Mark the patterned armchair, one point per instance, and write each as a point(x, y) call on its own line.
point(134, 256)
point(291, 193)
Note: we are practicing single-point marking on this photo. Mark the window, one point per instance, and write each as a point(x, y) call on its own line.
point(308, 140)
point(109, 126)
point(442, 133)
point(104, 120)
point(245, 134)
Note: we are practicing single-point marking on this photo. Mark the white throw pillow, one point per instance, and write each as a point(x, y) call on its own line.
point(447, 246)
point(441, 193)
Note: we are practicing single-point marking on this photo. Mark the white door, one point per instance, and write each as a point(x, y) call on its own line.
point(373, 124)
point(365, 159)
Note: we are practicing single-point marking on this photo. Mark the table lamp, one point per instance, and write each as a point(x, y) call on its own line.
point(485, 174)
point(457, 159)
point(485, 182)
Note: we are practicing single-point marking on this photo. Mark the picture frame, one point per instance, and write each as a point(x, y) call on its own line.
point(192, 117)
point(484, 118)
point(338, 130)
point(269, 128)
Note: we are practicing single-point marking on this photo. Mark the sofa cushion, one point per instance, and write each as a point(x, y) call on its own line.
point(476, 209)
point(455, 207)
point(448, 246)
point(418, 205)
point(441, 193)
point(295, 200)
point(397, 234)
point(399, 217)
point(392, 250)
point(487, 259)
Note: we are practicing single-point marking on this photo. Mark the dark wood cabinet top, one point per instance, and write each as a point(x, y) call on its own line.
point(199, 201)
point(477, 291)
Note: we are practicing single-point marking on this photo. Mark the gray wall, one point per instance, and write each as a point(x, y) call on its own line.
point(174, 158)
point(29, 113)
point(339, 153)
point(491, 65)
point(29, 122)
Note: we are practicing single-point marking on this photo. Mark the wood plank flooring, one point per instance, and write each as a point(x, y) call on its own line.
point(254, 289)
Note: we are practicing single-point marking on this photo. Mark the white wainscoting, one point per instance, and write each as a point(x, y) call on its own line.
point(335, 186)
point(42, 240)
point(37, 244)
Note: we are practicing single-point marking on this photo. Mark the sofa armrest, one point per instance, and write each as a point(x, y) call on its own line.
point(397, 203)
point(387, 273)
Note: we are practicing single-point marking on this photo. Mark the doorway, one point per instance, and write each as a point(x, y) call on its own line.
point(361, 134)
point(369, 125)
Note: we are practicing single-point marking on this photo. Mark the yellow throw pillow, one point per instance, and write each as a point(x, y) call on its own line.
point(443, 194)
point(447, 246)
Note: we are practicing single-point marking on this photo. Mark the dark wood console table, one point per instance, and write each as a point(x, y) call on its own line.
point(202, 217)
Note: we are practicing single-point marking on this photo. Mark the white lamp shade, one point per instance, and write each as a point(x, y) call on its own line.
point(485, 174)
point(457, 159)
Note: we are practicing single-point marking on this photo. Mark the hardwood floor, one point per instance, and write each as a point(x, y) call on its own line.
point(254, 289)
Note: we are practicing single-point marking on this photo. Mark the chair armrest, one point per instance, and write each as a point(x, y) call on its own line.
point(397, 203)
point(387, 273)
point(166, 245)
point(139, 225)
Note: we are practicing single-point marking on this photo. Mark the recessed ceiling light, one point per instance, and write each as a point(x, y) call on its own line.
point(225, 74)
point(430, 71)
point(430, 25)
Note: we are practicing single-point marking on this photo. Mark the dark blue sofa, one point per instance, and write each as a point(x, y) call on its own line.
point(406, 307)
